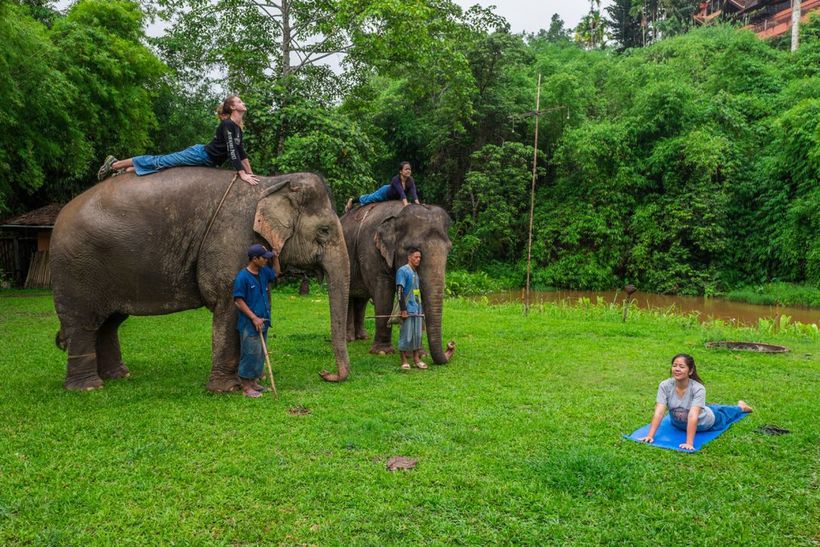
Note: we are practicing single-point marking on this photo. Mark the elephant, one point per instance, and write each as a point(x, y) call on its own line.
point(174, 241)
point(378, 237)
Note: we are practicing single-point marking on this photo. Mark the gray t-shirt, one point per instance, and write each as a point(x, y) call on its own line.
point(695, 395)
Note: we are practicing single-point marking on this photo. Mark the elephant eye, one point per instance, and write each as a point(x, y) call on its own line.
point(323, 234)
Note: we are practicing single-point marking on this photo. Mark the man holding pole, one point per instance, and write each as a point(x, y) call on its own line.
point(252, 298)
point(409, 295)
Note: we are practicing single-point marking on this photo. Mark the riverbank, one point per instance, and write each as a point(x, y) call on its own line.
point(463, 283)
point(518, 439)
point(778, 294)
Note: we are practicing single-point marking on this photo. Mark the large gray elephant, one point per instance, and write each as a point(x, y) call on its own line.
point(162, 243)
point(378, 236)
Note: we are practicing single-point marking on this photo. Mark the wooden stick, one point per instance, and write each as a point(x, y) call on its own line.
point(381, 316)
point(532, 195)
point(267, 361)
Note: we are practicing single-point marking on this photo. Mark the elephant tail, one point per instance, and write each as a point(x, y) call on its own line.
point(60, 340)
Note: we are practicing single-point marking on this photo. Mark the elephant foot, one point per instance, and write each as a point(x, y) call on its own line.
point(330, 377)
point(120, 371)
point(88, 383)
point(362, 335)
point(382, 349)
point(223, 384)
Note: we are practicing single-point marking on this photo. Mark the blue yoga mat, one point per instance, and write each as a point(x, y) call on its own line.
point(669, 437)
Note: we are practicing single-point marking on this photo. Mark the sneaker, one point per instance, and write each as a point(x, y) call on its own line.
point(106, 169)
point(349, 205)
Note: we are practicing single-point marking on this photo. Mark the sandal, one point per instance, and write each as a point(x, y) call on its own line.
point(405, 366)
point(260, 388)
point(105, 169)
point(421, 364)
point(252, 393)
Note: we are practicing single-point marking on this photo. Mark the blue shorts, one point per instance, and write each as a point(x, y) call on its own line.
point(252, 357)
point(194, 155)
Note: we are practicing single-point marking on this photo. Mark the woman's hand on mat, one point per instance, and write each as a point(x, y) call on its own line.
point(253, 180)
point(686, 446)
point(647, 439)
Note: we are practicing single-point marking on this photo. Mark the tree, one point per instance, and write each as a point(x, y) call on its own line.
point(590, 31)
point(624, 23)
point(492, 205)
point(115, 75)
point(556, 34)
point(43, 138)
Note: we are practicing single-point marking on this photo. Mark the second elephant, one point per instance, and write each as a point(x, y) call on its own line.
point(378, 237)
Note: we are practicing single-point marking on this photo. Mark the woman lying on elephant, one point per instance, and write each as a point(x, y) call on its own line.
point(226, 144)
point(400, 187)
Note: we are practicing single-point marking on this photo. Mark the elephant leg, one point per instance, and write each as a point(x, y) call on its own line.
point(350, 333)
point(383, 304)
point(81, 373)
point(359, 308)
point(225, 348)
point(109, 358)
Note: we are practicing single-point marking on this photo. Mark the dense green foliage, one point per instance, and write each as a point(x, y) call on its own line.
point(687, 166)
point(516, 442)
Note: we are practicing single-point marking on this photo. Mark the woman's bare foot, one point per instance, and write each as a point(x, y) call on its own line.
point(744, 407)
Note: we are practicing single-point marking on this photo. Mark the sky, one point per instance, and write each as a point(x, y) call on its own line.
point(523, 15)
point(533, 15)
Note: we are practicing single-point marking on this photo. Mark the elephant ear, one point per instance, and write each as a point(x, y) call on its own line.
point(276, 213)
point(385, 240)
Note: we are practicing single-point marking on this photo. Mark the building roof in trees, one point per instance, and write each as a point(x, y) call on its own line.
point(42, 217)
point(767, 18)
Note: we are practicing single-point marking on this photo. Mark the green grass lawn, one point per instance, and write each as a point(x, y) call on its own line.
point(518, 439)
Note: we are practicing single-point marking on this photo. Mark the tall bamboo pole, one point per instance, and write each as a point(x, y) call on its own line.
point(795, 24)
point(532, 194)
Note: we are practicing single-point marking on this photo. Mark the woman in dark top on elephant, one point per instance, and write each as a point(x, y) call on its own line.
point(226, 144)
point(400, 187)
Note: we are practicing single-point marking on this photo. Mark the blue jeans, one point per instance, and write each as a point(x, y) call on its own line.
point(724, 415)
point(378, 195)
point(194, 155)
point(252, 357)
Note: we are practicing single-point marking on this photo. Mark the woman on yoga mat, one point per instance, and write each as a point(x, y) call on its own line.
point(685, 397)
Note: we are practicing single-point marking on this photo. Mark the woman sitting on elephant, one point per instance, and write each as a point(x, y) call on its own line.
point(226, 144)
point(400, 187)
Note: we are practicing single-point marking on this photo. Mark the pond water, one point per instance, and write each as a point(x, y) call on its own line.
point(708, 308)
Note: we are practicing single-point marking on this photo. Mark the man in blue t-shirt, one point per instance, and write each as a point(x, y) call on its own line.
point(409, 295)
point(252, 298)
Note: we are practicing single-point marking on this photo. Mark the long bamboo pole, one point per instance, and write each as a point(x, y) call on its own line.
point(795, 24)
point(532, 195)
point(267, 362)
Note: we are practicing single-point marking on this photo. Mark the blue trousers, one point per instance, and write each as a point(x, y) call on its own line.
point(252, 357)
point(378, 195)
point(724, 414)
point(193, 155)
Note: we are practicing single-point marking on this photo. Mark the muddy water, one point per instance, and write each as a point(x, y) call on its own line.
point(708, 308)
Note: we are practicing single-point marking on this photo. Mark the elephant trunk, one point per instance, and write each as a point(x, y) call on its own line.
point(431, 276)
point(336, 265)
